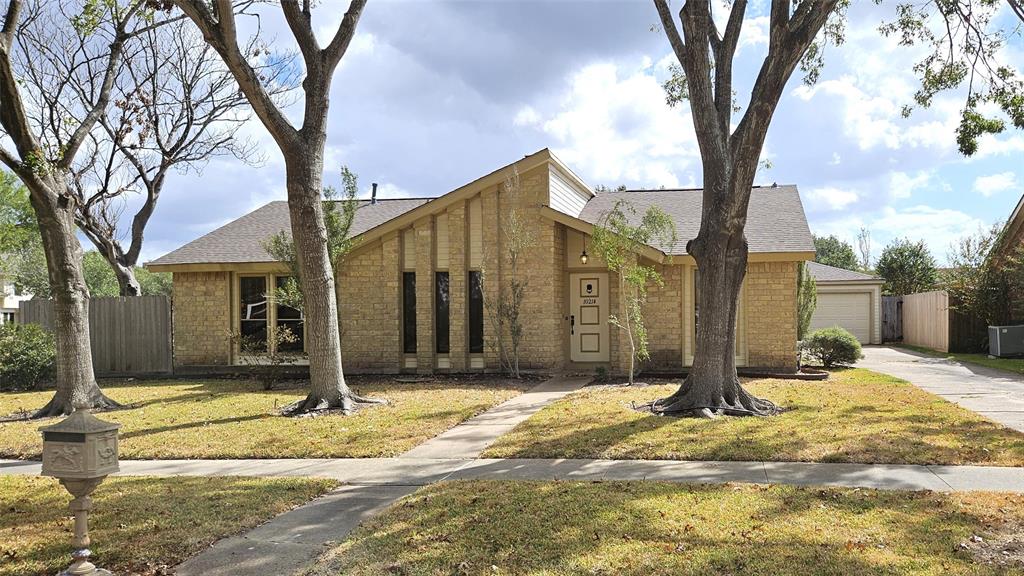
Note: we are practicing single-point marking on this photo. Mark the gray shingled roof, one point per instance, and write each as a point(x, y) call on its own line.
point(825, 273)
point(775, 218)
point(242, 240)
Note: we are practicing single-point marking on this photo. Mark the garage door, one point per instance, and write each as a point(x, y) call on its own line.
point(850, 311)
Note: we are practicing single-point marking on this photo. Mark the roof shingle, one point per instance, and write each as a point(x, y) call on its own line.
point(825, 273)
point(775, 217)
point(242, 240)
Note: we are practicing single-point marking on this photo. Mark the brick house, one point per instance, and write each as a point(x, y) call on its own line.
point(412, 293)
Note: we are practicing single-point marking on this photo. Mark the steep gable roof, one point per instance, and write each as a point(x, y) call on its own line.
point(775, 217)
point(242, 240)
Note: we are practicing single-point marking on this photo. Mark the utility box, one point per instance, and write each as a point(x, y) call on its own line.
point(1004, 341)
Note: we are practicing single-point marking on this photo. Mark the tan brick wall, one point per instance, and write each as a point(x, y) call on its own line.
point(368, 303)
point(543, 308)
point(771, 315)
point(663, 317)
point(202, 318)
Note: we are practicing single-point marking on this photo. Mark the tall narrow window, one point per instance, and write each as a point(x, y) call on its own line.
point(289, 319)
point(409, 312)
point(253, 313)
point(442, 311)
point(476, 312)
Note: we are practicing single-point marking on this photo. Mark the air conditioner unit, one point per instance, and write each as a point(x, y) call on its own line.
point(1006, 340)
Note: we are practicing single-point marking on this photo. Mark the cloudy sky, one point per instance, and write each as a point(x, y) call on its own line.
point(432, 95)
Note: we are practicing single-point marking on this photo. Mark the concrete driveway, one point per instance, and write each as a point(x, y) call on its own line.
point(995, 394)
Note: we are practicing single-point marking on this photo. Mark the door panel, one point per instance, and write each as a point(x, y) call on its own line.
point(588, 320)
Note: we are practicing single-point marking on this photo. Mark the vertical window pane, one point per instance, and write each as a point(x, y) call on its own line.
point(409, 312)
point(441, 313)
point(289, 319)
point(253, 314)
point(476, 313)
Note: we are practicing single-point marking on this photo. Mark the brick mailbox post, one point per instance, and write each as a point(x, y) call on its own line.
point(80, 451)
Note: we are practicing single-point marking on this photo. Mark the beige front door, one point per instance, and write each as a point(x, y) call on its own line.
point(588, 317)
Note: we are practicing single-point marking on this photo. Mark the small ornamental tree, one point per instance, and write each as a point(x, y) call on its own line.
point(338, 216)
point(619, 241)
point(832, 251)
point(504, 313)
point(907, 268)
point(806, 300)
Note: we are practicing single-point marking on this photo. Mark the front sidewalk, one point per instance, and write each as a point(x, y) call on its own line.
point(412, 472)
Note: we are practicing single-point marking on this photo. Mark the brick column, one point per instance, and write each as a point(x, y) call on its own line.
point(424, 229)
point(457, 277)
point(492, 255)
point(391, 285)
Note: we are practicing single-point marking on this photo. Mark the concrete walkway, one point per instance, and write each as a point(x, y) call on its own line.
point(472, 437)
point(995, 394)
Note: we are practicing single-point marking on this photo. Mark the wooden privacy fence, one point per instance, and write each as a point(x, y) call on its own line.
point(892, 318)
point(929, 321)
point(130, 336)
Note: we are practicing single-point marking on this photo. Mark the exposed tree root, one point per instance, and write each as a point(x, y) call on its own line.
point(700, 402)
point(346, 403)
point(58, 406)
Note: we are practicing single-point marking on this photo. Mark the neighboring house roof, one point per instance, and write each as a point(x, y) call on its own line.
point(775, 217)
point(242, 240)
point(1013, 232)
point(825, 274)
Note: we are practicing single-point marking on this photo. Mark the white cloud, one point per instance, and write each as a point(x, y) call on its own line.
point(993, 184)
point(903, 185)
point(613, 125)
point(831, 198)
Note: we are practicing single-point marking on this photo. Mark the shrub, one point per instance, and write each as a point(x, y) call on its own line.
point(27, 354)
point(833, 347)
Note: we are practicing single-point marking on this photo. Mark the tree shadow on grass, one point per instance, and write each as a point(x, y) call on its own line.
point(563, 528)
point(137, 524)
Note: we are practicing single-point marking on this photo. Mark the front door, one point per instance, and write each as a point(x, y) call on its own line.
point(588, 317)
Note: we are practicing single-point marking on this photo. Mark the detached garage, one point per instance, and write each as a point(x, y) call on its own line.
point(848, 299)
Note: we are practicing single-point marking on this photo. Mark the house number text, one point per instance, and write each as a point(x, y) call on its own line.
point(590, 300)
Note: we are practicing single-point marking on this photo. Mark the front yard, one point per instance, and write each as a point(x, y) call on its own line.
point(235, 419)
point(570, 528)
point(138, 525)
point(854, 416)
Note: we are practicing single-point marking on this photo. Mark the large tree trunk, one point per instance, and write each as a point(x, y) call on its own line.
point(328, 389)
point(126, 281)
point(712, 386)
point(76, 382)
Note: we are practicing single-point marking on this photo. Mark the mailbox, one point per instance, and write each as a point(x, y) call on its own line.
point(80, 447)
point(80, 451)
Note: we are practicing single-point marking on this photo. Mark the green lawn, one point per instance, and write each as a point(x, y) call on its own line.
point(854, 416)
point(137, 524)
point(649, 528)
point(235, 419)
point(1015, 365)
